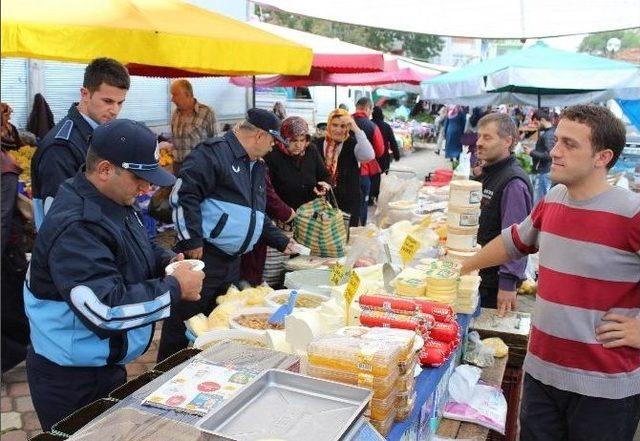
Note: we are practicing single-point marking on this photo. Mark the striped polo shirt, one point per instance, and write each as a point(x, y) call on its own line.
point(589, 265)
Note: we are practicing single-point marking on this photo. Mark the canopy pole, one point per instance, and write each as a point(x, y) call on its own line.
point(538, 99)
point(253, 91)
point(335, 96)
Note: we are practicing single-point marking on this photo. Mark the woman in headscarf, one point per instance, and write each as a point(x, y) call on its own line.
point(297, 171)
point(453, 130)
point(344, 147)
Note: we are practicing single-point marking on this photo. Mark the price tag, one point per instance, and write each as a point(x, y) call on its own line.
point(409, 248)
point(349, 293)
point(337, 273)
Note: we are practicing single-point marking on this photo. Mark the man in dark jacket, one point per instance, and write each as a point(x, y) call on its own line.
point(219, 205)
point(370, 169)
point(390, 148)
point(506, 200)
point(63, 150)
point(96, 284)
point(541, 154)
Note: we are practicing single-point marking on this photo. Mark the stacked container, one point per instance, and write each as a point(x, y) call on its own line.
point(372, 358)
point(463, 215)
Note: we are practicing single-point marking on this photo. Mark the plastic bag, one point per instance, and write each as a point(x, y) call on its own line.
point(481, 404)
point(477, 353)
point(393, 188)
point(463, 170)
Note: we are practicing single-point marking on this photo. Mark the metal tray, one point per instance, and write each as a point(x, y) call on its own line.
point(287, 406)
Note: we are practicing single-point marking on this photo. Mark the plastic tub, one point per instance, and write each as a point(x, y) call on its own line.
point(306, 300)
point(260, 314)
point(354, 355)
point(381, 386)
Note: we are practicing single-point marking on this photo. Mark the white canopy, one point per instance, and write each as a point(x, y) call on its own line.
point(473, 18)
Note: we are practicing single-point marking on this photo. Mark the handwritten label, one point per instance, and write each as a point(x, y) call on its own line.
point(409, 248)
point(337, 273)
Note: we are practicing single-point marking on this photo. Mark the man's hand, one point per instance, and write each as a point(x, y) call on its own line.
point(291, 217)
point(196, 253)
point(321, 188)
point(177, 258)
point(619, 330)
point(506, 302)
point(527, 149)
point(290, 249)
point(190, 282)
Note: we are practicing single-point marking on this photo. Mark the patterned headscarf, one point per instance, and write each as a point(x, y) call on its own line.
point(331, 158)
point(293, 127)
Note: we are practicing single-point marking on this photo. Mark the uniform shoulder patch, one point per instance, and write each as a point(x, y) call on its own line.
point(65, 130)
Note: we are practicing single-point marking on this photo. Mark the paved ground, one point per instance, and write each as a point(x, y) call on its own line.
point(19, 421)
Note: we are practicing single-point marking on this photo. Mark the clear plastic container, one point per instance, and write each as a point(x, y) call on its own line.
point(406, 382)
point(379, 409)
point(404, 338)
point(408, 364)
point(384, 426)
point(405, 411)
point(355, 355)
point(381, 386)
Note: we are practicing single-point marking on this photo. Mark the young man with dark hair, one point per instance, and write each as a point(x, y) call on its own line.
point(64, 148)
point(583, 363)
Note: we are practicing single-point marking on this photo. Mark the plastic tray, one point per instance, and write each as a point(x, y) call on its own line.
point(406, 382)
point(281, 404)
point(131, 386)
point(381, 408)
point(404, 411)
point(381, 386)
point(408, 364)
point(404, 338)
point(78, 419)
point(355, 355)
point(383, 426)
point(174, 360)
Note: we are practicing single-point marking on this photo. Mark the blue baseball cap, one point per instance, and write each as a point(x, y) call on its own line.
point(267, 121)
point(132, 146)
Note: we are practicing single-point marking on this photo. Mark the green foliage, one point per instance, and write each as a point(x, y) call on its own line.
point(420, 46)
point(596, 44)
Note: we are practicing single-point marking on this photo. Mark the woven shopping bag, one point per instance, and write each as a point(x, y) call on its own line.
point(319, 225)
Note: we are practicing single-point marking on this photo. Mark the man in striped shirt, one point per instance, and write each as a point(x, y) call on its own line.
point(582, 369)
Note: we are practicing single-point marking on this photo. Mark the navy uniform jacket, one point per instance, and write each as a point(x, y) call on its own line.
point(95, 284)
point(219, 199)
point(59, 157)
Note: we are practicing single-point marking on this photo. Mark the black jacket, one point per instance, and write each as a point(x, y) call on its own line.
point(41, 118)
point(541, 154)
point(347, 188)
point(58, 157)
point(390, 143)
point(219, 200)
point(294, 177)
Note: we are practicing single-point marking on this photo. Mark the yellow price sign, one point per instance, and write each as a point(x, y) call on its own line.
point(349, 293)
point(336, 274)
point(409, 248)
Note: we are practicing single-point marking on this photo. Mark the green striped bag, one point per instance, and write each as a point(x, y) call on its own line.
point(320, 226)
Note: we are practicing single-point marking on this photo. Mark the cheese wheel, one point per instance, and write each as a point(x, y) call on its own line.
point(463, 216)
point(463, 193)
point(462, 239)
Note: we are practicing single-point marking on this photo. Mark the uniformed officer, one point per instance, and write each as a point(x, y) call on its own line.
point(96, 284)
point(219, 210)
point(63, 150)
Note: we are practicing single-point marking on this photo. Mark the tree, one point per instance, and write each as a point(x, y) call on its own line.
point(596, 44)
point(419, 46)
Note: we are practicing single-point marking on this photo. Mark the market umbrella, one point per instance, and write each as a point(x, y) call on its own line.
point(473, 18)
point(154, 37)
point(537, 70)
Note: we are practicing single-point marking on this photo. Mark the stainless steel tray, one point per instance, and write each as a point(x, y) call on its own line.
point(287, 406)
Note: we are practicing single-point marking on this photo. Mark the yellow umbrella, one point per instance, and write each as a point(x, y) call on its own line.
point(151, 35)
